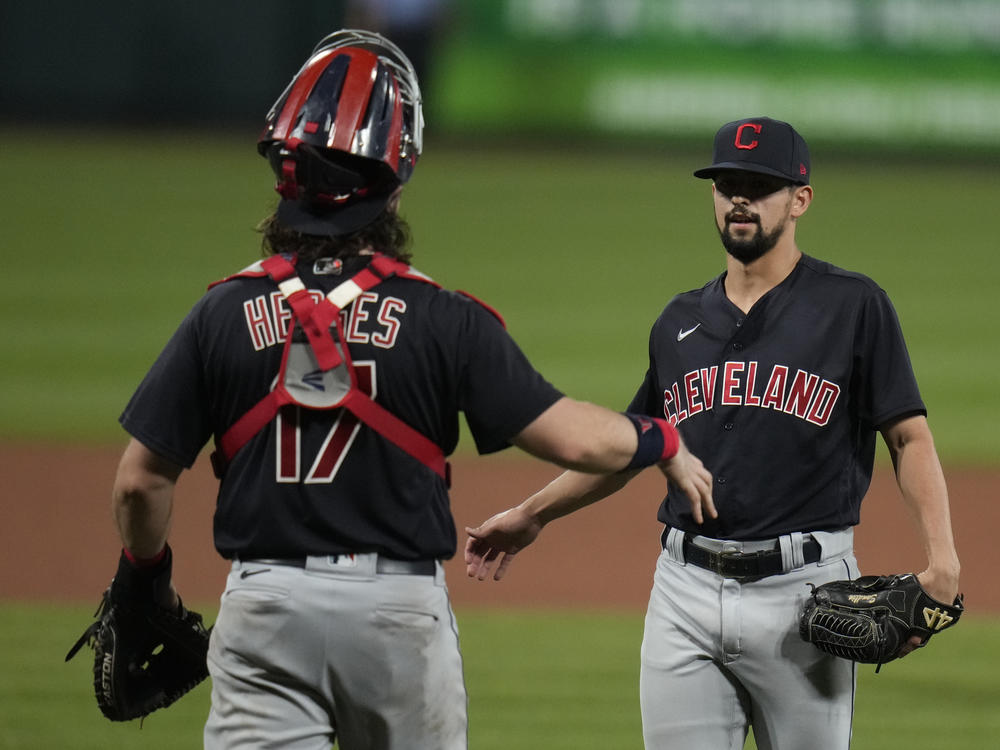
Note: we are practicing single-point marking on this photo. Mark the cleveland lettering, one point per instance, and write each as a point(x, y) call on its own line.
point(802, 394)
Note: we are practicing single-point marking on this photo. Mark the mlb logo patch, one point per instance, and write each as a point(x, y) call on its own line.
point(328, 267)
point(342, 561)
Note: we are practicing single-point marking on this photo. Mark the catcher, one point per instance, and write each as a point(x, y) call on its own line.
point(332, 432)
point(874, 619)
point(149, 650)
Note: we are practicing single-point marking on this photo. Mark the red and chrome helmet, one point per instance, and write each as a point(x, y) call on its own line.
point(344, 134)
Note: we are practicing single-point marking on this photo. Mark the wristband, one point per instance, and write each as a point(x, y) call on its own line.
point(144, 562)
point(657, 441)
point(142, 582)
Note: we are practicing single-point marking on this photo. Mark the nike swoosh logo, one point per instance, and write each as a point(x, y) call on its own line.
point(248, 573)
point(682, 334)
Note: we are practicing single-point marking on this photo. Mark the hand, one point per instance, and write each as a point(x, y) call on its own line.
point(497, 541)
point(688, 473)
point(943, 586)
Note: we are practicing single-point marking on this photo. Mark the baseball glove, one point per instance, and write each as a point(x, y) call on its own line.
point(146, 656)
point(871, 618)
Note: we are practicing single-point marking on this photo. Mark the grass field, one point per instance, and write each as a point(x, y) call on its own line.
point(537, 681)
point(112, 236)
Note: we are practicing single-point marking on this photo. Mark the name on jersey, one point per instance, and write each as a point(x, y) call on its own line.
point(371, 319)
point(802, 394)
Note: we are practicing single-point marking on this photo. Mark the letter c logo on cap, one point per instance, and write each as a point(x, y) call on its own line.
point(756, 127)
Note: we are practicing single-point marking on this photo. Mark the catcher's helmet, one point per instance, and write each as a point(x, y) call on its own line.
point(344, 134)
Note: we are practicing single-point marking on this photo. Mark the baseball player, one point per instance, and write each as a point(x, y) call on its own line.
point(331, 375)
point(778, 373)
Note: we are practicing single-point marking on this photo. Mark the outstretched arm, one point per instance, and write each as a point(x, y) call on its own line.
point(580, 435)
point(922, 485)
point(495, 542)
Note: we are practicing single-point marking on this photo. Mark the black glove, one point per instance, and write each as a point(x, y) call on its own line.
point(871, 618)
point(146, 656)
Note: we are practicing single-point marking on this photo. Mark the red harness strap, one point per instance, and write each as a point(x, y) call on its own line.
point(316, 319)
point(314, 322)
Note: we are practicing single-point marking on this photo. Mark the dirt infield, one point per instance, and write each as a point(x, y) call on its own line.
point(58, 540)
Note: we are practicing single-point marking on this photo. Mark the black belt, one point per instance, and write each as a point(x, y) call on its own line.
point(744, 565)
point(383, 565)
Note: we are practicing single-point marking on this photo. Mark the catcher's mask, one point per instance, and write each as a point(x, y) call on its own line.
point(344, 134)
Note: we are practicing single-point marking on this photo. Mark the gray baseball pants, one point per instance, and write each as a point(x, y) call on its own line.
point(334, 650)
point(720, 656)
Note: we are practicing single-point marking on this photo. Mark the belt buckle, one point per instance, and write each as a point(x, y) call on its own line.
point(718, 563)
point(717, 560)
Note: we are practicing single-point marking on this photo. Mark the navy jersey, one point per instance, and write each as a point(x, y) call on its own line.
point(318, 482)
point(781, 404)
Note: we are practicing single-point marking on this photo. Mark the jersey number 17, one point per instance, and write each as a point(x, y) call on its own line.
point(333, 451)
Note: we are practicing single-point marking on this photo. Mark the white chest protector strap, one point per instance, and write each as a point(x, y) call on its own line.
point(316, 368)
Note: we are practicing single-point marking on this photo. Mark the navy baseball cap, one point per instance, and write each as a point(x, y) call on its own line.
point(320, 221)
point(762, 145)
point(365, 187)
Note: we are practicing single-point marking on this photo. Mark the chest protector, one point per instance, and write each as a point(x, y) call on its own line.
point(316, 369)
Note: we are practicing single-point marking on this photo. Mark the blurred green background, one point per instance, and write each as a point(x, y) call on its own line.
point(112, 236)
point(556, 185)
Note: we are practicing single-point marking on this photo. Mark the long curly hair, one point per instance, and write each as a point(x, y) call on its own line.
point(388, 234)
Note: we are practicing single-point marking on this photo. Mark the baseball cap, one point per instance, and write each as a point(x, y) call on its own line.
point(340, 193)
point(762, 145)
point(321, 221)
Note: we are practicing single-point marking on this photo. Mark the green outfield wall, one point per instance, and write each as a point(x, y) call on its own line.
point(912, 75)
point(908, 75)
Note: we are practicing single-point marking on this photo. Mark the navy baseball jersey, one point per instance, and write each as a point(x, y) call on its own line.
point(319, 482)
point(786, 399)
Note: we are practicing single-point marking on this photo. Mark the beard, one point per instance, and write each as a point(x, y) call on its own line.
point(750, 249)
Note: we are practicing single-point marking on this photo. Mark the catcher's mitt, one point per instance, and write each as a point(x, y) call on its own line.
point(870, 618)
point(145, 655)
